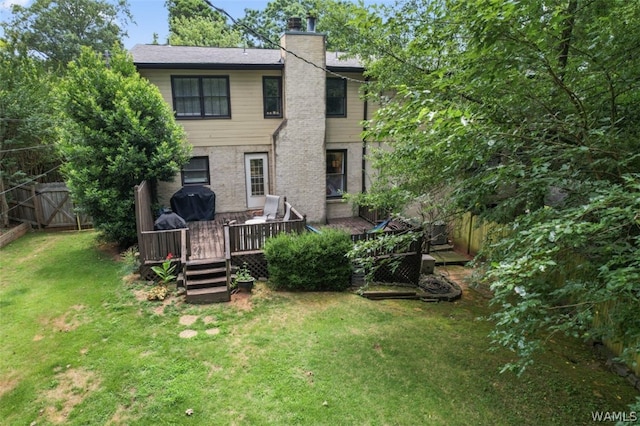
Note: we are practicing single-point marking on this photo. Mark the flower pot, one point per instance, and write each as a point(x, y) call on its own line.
point(245, 286)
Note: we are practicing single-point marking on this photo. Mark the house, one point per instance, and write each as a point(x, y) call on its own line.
point(266, 121)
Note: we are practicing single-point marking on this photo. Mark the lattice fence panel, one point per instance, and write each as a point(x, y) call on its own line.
point(408, 271)
point(256, 263)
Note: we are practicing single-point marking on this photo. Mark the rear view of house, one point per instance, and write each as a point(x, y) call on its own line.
point(265, 121)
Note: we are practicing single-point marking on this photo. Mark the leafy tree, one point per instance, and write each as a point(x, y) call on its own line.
point(194, 23)
point(118, 132)
point(263, 28)
point(56, 30)
point(524, 113)
point(26, 125)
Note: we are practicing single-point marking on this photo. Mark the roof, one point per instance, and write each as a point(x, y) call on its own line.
point(183, 57)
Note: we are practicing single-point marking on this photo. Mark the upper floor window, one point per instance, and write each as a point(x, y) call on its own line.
point(201, 97)
point(336, 97)
point(272, 96)
point(196, 171)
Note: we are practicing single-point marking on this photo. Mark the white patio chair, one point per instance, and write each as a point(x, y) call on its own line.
point(269, 212)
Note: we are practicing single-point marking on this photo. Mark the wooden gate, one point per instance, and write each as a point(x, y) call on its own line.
point(45, 205)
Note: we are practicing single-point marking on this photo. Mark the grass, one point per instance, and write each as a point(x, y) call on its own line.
point(79, 347)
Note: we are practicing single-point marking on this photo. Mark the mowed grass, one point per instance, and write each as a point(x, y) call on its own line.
point(81, 346)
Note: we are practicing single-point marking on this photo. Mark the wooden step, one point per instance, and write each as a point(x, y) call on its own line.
point(206, 271)
point(205, 263)
point(207, 282)
point(208, 295)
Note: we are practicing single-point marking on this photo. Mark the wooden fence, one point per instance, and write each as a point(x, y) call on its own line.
point(154, 246)
point(45, 205)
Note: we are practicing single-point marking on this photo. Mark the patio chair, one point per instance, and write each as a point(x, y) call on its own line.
point(270, 210)
point(379, 227)
point(287, 211)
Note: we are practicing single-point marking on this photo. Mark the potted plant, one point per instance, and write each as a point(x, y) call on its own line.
point(243, 280)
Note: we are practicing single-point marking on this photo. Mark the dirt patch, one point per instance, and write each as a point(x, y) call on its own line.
point(37, 337)
point(188, 334)
point(241, 301)
point(110, 250)
point(188, 319)
point(66, 322)
point(212, 369)
point(141, 296)
point(73, 386)
point(213, 331)
point(9, 383)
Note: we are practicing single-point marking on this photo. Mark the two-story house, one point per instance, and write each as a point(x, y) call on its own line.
point(266, 121)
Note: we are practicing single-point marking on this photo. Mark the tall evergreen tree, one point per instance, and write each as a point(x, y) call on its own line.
point(118, 131)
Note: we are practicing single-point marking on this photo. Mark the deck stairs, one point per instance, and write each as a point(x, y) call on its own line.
point(205, 281)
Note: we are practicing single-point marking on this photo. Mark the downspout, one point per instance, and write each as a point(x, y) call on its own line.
point(364, 140)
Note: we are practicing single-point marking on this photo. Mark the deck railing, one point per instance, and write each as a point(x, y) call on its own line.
point(242, 238)
point(154, 246)
point(374, 216)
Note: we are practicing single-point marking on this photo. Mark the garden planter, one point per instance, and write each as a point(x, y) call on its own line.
point(245, 286)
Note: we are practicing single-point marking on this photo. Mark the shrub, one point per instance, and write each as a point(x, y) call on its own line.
point(309, 261)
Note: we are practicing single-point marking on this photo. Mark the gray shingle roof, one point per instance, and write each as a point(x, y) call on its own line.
point(165, 56)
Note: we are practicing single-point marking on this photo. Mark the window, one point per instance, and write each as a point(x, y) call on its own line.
point(336, 97)
point(272, 96)
point(201, 97)
point(196, 171)
point(336, 173)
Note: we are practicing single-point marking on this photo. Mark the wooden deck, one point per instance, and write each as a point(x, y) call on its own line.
point(206, 237)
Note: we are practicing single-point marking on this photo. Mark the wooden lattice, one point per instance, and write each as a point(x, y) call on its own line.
point(408, 271)
point(256, 263)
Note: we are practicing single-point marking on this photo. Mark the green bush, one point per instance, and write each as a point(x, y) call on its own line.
point(309, 261)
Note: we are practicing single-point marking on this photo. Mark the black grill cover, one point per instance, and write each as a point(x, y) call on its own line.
point(194, 202)
point(169, 220)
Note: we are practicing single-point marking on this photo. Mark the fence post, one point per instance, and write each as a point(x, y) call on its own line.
point(37, 204)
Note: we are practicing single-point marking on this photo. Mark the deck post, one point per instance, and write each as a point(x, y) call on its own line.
point(227, 253)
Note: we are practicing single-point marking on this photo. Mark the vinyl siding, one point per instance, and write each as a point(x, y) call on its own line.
point(349, 128)
point(247, 125)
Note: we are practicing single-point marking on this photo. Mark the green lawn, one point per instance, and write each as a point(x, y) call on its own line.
point(80, 346)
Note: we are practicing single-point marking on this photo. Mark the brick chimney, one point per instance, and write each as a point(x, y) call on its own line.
point(300, 154)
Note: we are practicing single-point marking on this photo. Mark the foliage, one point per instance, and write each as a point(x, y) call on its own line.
point(194, 23)
point(131, 260)
point(56, 30)
point(158, 292)
point(118, 131)
point(525, 114)
point(26, 124)
point(244, 274)
point(366, 253)
point(309, 261)
point(202, 32)
point(263, 28)
point(166, 272)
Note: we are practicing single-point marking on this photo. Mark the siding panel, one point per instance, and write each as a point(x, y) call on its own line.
point(247, 125)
